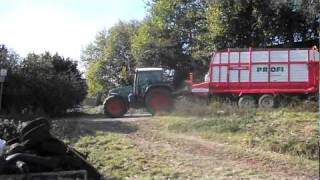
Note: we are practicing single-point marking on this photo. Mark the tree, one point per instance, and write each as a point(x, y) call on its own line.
point(109, 57)
point(95, 78)
point(96, 50)
point(120, 59)
point(172, 36)
point(177, 29)
point(255, 23)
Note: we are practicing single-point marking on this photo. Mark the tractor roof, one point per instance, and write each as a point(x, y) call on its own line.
point(149, 69)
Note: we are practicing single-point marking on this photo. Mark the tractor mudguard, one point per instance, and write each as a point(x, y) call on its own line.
point(116, 95)
point(157, 86)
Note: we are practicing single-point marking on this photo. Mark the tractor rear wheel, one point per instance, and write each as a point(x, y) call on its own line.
point(247, 101)
point(115, 107)
point(267, 101)
point(158, 100)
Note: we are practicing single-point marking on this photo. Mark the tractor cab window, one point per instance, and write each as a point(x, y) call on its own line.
point(149, 77)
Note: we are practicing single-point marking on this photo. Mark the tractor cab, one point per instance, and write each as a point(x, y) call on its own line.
point(152, 88)
point(145, 77)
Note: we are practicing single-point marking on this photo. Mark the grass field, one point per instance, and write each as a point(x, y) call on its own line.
point(284, 130)
point(110, 150)
point(200, 140)
point(118, 158)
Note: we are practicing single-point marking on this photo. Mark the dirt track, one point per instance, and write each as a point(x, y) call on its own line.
point(191, 157)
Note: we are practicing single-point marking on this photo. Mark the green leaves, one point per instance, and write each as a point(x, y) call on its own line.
point(109, 58)
point(255, 23)
point(41, 83)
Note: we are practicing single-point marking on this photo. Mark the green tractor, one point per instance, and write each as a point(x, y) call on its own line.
point(152, 88)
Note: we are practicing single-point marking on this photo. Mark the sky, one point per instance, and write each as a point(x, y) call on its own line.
point(63, 26)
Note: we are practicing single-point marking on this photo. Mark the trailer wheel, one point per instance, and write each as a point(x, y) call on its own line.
point(247, 102)
point(267, 101)
point(282, 101)
point(158, 100)
point(115, 107)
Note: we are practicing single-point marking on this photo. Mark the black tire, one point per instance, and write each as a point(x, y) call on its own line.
point(13, 141)
point(15, 148)
point(54, 146)
point(27, 126)
point(77, 161)
point(247, 102)
point(282, 101)
point(267, 101)
point(47, 162)
point(35, 136)
point(158, 100)
point(115, 107)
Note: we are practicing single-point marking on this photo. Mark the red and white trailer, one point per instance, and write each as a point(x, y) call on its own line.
point(261, 75)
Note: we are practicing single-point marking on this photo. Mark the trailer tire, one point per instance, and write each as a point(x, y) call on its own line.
point(247, 102)
point(267, 101)
point(282, 101)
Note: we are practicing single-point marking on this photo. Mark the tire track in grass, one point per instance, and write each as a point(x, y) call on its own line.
point(198, 158)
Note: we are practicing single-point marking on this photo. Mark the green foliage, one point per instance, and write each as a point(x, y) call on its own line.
point(42, 84)
point(171, 36)
point(95, 79)
point(119, 56)
point(255, 23)
point(109, 58)
point(8, 129)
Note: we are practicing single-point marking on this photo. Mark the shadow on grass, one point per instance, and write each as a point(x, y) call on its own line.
point(109, 126)
point(103, 116)
point(75, 126)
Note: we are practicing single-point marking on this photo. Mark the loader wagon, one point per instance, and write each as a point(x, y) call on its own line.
point(264, 77)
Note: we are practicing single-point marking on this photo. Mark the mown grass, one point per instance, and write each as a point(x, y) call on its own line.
point(118, 158)
point(110, 150)
point(286, 130)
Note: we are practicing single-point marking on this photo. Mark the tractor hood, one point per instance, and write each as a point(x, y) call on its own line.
point(121, 91)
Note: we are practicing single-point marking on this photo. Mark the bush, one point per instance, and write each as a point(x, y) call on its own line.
point(42, 84)
point(8, 129)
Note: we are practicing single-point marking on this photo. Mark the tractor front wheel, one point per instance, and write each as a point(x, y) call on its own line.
point(158, 100)
point(115, 107)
